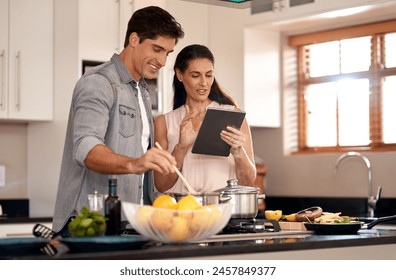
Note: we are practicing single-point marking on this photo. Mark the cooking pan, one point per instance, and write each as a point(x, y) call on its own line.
point(345, 228)
point(204, 198)
point(244, 199)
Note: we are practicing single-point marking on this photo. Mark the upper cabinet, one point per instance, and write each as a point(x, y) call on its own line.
point(286, 10)
point(3, 59)
point(279, 9)
point(26, 57)
point(102, 27)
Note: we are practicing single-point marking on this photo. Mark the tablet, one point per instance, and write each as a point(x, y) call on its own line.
point(208, 141)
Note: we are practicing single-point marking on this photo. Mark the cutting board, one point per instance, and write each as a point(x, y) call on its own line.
point(292, 226)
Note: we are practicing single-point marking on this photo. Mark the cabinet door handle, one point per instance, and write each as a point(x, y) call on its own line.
point(18, 80)
point(2, 93)
point(278, 5)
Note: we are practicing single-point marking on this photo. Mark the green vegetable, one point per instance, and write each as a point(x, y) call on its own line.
point(87, 223)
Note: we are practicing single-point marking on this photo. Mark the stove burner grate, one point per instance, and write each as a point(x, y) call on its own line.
point(251, 226)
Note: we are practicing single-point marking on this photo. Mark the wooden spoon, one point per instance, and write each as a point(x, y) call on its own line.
point(188, 186)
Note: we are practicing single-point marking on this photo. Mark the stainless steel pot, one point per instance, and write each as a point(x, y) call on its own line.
point(244, 199)
point(205, 198)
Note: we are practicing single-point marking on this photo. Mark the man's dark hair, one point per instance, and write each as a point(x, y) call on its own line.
point(151, 22)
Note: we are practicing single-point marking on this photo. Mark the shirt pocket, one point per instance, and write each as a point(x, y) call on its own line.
point(127, 121)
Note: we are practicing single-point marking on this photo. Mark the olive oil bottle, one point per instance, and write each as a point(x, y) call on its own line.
point(113, 209)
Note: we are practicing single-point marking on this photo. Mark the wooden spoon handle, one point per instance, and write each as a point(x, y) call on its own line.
point(188, 186)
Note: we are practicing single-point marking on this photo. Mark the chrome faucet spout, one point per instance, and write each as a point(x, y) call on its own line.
point(371, 200)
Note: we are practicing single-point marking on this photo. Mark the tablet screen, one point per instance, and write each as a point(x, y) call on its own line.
point(208, 141)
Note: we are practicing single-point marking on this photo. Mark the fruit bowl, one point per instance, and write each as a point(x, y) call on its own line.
point(177, 226)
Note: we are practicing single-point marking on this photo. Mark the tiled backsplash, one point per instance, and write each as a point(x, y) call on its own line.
point(347, 206)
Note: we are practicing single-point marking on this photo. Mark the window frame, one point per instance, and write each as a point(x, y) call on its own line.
point(375, 73)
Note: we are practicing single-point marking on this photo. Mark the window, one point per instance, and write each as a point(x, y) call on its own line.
point(347, 88)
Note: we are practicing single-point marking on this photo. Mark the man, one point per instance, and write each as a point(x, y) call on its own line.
point(110, 126)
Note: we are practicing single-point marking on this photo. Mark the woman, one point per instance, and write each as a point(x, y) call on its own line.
point(196, 89)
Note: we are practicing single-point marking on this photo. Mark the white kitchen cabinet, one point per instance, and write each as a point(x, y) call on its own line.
point(278, 10)
point(102, 27)
point(26, 53)
point(262, 77)
point(287, 10)
point(138, 4)
point(3, 58)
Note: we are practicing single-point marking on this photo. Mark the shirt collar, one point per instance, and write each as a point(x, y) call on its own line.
point(125, 76)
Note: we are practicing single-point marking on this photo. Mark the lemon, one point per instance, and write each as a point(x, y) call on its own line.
point(216, 213)
point(165, 201)
point(188, 202)
point(291, 217)
point(202, 219)
point(273, 214)
point(143, 215)
point(179, 230)
point(161, 220)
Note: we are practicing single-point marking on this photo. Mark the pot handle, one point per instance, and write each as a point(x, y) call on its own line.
point(261, 196)
point(225, 198)
point(380, 220)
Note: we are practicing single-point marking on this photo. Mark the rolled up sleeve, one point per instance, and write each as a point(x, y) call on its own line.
point(92, 105)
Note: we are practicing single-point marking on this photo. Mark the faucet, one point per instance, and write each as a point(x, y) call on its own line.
point(371, 200)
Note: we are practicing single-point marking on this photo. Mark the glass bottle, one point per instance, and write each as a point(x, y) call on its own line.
point(113, 209)
point(95, 202)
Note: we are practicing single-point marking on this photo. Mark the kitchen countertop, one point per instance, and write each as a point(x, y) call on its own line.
point(382, 238)
point(21, 220)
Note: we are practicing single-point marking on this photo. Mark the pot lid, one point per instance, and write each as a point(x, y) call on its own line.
point(233, 187)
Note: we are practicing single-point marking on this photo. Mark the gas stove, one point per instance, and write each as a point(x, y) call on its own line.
point(250, 226)
point(257, 230)
point(245, 229)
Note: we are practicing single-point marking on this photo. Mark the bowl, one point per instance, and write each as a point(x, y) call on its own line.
point(177, 226)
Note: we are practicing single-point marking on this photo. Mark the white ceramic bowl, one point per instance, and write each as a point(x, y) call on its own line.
point(177, 226)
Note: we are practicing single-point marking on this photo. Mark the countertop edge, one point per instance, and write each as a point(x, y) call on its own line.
point(25, 220)
point(152, 251)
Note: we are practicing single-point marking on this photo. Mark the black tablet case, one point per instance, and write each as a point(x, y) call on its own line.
point(208, 141)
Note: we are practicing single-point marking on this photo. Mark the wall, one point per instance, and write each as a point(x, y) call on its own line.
point(13, 147)
point(45, 140)
point(291, 175)
point(195, 26)
point(313, 175)
point(226, 43)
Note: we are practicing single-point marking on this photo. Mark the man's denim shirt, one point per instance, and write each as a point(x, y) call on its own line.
point(104, 110)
